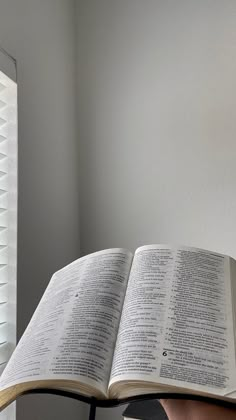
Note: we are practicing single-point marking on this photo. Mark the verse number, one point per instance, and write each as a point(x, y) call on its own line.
point(164, 353)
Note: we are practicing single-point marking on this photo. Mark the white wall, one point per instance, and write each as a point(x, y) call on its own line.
point(41, 36)
point(157, 123)
point(157, 114)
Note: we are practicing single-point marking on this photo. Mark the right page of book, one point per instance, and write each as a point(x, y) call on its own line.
point(177, 326)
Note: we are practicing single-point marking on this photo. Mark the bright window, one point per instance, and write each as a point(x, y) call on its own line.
point(8, 213)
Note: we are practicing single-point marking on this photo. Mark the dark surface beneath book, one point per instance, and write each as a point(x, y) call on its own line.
point(145, 410)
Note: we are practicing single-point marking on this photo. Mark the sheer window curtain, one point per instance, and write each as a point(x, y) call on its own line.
point(8, 213)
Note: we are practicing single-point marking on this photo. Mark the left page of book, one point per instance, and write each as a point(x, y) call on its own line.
point(72, 334)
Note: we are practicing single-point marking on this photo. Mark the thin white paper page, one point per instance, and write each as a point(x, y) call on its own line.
point(198, 345)
point(73, 331)
point(176, 327)
point(139, 341)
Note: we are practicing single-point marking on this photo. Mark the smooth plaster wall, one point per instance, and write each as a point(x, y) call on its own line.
point(157, 123)
point(41, 36)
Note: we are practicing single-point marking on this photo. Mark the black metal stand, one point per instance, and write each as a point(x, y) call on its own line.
point(94, 403)
point(92, 412)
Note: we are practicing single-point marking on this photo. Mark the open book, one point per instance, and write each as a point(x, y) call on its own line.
point(113, 325)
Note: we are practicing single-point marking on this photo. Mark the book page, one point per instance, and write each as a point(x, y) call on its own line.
point(73, 331)
point(139, 342)
point(177, 326)
point(232, 390)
